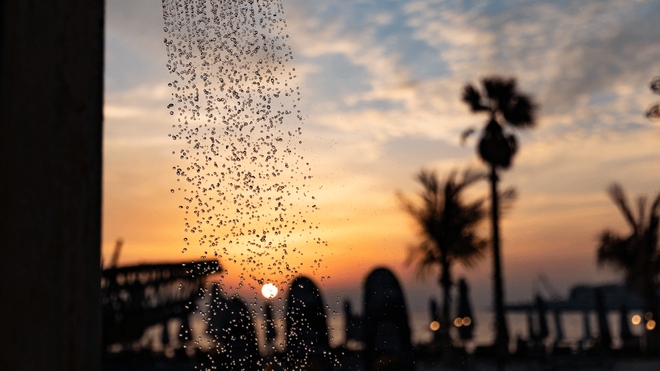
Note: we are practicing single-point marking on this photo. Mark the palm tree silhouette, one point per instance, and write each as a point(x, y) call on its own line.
point(506, 107)
point(637, 253)
point(448, 226)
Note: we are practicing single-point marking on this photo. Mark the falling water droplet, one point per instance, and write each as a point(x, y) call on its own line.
point(245, 187)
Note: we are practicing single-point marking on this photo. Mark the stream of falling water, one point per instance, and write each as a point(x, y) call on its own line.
point(244, 185)
point(235, 107)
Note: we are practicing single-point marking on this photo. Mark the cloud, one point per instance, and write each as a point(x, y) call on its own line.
point(586, 64)
point(562, 53)
point(135, 22)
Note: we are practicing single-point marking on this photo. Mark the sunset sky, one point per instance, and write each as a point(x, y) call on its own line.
point(381, 83)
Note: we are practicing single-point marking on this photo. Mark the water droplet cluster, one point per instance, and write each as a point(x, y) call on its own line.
point(235, 107)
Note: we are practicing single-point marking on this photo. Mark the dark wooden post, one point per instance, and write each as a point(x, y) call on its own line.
point(51, 98)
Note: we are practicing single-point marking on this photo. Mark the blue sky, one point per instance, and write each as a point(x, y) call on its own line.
point(381, 83)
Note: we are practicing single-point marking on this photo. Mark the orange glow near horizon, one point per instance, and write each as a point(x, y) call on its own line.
point(375, 111)
point(360, 234)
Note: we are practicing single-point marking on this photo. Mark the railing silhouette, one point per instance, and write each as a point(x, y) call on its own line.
point(137, 297)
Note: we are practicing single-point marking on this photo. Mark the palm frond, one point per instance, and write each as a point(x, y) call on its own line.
point(655, 85)
point(425, 259)
point(619, 198)
point(641, 212)
point(447, 223)
point(499, 90)
point(473, 249)
point(513, 144)
point(654, 221)
point(407, 205)
point(507, 197)
point(469, 177)
point(637, 254)
point(520, 112)
point(472, 97)
point(653, 112)
point(655, 206)
point(466, 134)
point(518, 109)
point(613, 250)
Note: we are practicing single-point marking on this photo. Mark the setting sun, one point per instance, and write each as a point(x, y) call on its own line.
point(269, 291)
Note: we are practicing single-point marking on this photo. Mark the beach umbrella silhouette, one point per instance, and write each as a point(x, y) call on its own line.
point(386, 326)
point(605, 336)
point(238, 336)
point(306, 325)
point(464, 312)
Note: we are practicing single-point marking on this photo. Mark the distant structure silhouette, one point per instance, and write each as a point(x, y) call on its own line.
point(306, 326)
point(231, 327)
point(136, 297)
point(584, 300)
point(185, 330)
point(217, 306)
point(506, 106)
point(386, 327)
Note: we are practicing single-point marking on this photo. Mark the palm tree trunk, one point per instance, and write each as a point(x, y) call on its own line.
point(502, 333)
